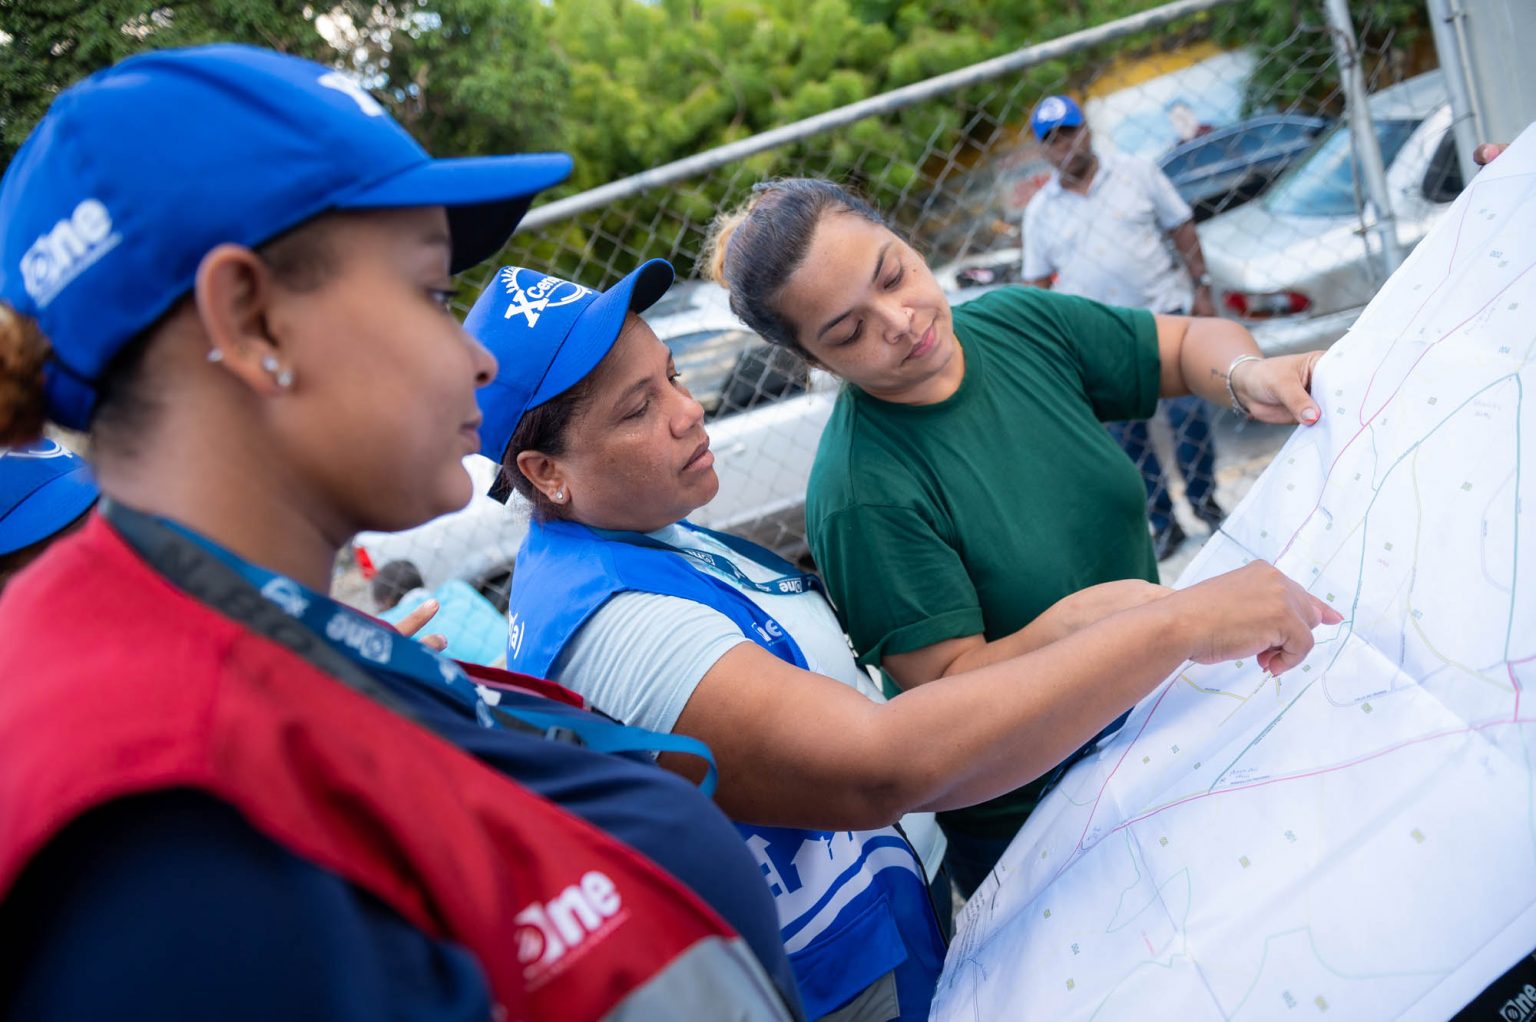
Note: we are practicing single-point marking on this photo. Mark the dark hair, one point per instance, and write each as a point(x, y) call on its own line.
point(756, 248)
point(301, 259)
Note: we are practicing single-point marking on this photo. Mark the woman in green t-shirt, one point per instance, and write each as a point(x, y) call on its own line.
point(965, 482)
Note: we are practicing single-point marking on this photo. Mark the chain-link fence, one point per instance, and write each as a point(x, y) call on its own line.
point(1250, 137)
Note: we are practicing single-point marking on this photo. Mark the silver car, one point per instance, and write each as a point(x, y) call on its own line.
point(1298, 265)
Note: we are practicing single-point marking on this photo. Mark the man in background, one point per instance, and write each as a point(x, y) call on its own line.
point(1107, 227)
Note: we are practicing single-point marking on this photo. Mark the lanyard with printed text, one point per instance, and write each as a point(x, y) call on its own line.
point(782, 585)
point(377, 647)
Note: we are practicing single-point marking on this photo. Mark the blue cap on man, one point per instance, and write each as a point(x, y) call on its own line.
point(547, 334)
point(43, 488)
point(136, 173)
point(1055, 112)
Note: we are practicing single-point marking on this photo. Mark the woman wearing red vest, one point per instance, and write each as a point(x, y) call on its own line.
point(225, 795)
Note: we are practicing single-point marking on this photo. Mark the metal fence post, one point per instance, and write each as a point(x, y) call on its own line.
point(1363, 134)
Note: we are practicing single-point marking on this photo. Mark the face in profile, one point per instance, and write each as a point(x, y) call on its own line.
point(383, 410)
point(636, 454)
point(865, 306)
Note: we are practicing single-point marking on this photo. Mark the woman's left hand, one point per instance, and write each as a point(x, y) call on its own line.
point(1278, 389)
point(416, 620)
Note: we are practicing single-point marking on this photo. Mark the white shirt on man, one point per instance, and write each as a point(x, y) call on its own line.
point(1112, 243)
point(641, 655)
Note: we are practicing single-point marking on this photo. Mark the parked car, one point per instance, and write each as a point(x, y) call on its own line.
point(1226, 167)
point(1299, 264)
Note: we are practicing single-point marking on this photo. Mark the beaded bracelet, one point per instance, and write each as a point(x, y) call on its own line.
point(1237, 404)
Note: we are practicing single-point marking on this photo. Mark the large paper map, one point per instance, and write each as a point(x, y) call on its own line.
point(1357, 838)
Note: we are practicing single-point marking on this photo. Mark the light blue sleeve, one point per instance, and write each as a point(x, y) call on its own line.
point(640, 657)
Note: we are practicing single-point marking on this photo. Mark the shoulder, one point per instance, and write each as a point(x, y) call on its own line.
point(858, 462)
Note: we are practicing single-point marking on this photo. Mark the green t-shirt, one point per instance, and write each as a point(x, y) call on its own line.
point(934, 522)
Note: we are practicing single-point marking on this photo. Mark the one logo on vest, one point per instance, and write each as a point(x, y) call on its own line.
point(68, 249)
point(286, 594)
point(370, 642)
point(1521, 1007)
point(546, 293)
point(515, 631)
point(550, 931)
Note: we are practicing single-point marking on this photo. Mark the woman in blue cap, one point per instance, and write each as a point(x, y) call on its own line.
point(965, 482)
point(45, 491)
point(688, 631)
point(227, 796)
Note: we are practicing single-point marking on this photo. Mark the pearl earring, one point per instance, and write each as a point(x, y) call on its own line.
point(215, 355)
point(560, 495)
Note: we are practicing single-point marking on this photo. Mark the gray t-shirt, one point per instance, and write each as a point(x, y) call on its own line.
point(640, 657)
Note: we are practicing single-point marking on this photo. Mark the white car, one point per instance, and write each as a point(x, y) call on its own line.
point(1298, 265)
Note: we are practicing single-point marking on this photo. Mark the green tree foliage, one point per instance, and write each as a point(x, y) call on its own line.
point(54, 43)
point(627, 85)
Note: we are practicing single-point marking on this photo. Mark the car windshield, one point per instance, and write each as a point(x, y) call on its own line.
point(1323, 184)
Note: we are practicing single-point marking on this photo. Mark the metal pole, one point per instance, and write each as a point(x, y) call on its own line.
point(1450, 46)
point(884, 103)
point(1363, 134)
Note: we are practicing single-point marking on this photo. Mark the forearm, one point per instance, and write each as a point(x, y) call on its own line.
point(1196, 361)
point(988, 730)
point(1187, 243)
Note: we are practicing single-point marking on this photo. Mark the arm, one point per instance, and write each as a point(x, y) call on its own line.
point(1195, 353)
point(1068, 615)
point(798, 749)
point(1187, 243)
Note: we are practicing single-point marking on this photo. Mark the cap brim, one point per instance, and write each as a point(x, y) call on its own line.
point(598, 326)
point(486, 197)
point(48, 509)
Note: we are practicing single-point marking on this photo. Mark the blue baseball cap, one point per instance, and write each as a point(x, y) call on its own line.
point(547, 334)
point(136, 172)
point(1055, 112)
point(43, 488)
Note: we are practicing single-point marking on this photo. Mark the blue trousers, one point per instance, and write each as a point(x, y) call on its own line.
point(1194, 451)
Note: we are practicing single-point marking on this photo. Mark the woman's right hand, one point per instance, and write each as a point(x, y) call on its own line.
point(1253, 611)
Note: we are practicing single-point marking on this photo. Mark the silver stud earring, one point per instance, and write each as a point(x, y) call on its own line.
point(560, 495)
point(285, 378)
point(215, 355)
point(269, 363)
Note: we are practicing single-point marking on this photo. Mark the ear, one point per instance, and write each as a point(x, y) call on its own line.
point(234, 292)
point(545, 473)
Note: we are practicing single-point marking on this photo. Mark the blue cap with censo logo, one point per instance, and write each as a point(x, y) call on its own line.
point(43, 487)
point(547, 334)
point(137, 172)
point(1055, 112)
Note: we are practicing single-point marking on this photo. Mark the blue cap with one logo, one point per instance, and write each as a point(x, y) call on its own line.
point(43, 488)
point(547, 334)
point(137, 172)
point(1055, 112)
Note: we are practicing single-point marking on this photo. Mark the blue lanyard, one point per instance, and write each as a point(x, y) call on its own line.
point(781, 585)
point(377, 647)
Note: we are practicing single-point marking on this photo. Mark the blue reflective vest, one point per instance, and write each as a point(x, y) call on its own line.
point(852, 905)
